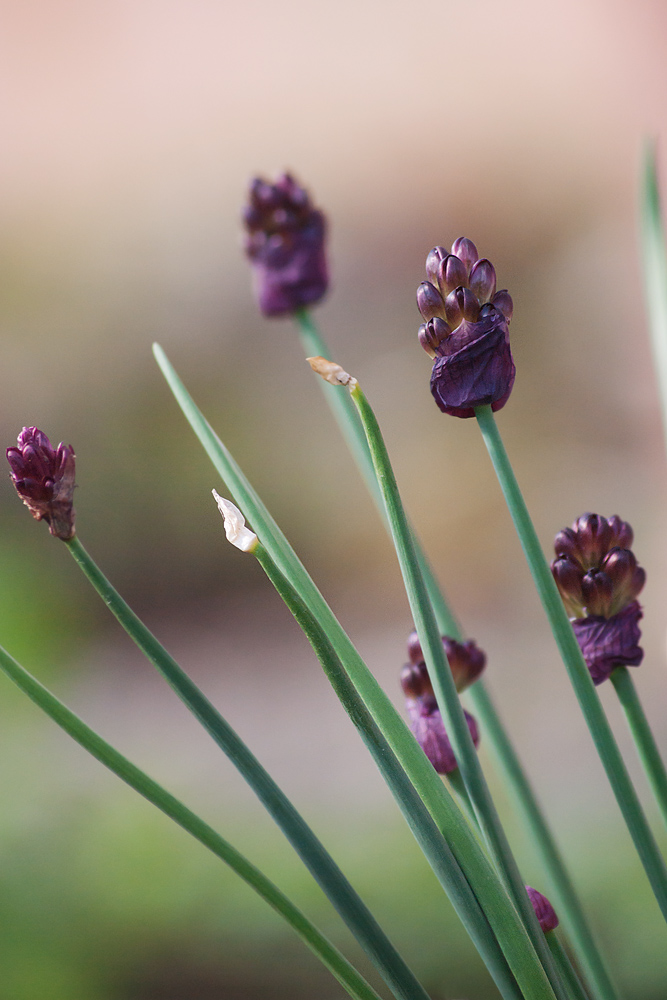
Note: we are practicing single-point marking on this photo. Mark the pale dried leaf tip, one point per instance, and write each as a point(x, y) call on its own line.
point(331, 372)
point(237, 533)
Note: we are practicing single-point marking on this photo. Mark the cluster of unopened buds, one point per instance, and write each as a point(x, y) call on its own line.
point(44, 479)
point(285, 237)
point(466, 662)
point(465, 330)
point(599, 580)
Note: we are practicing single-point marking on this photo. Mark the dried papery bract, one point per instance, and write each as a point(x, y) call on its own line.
point(599, 580)
point(235, 527)
point(331, 372)
point(285, 244)
point(44, 479)
point(465, 330)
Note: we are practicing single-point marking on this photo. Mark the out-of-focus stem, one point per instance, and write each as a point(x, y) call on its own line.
point(647, 748)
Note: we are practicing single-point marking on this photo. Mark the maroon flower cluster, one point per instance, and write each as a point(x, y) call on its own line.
point(466, 660)
point(44, 479)
point(465, 330)
point(599, 580)
point(285, 244)
point(467, 663)
point(544, 911)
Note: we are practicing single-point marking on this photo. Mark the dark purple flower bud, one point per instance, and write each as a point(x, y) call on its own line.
point(452, 272)
point(544, 911)
point(607, 643)
point(483, 280)
point(466, 250)
point(598, 592)
point(430, 302)
point(622, 534)
point(503, 300)
point(432, 334)
point(433, 261)
point(566, 545)
point(627, 578)
point(478, 369)
point(428, 727)
point(466, 660)
point(285, 244)
point(44, 479)
point(415, 681)
point(568, 576)
point(594, 539)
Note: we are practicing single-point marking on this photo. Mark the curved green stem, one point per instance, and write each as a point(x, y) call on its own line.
point(327, 953)
point(498, 907)
point(584, 689)
point(444, 688)
point(655, 273)
point(312, 852)
point(560, 883)
point(426, 833)
point(647, 748)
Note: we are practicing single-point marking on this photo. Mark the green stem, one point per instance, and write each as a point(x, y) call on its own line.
point(655, 273)
point(560, 883)
point(647, 748)
point(329, 955)
point(495, 902)
point(443, 684)
point(580, 678)
point(565, 968)
point(312, 852)
point(561, 886)
point(426, 833)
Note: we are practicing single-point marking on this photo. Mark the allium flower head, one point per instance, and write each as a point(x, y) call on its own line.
point(465, 330)
point(44, 479)
point(285, 244)
point(426, 720)
point(544, 911)
point(466, 660)
point(599, 580)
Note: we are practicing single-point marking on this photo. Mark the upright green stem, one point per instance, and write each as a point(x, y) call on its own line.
point(647, 748)
point(329, 955)
point(312, 852)
point(444, 687)
point(565, 968)
point(498, 907)
point(426, 833)
point(655, 273)
point(574, 662)
point(561, 886)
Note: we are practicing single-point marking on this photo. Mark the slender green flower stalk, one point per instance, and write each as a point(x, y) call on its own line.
point(429, 838)
point(560, 882)
point(580, 678)
point(498, 907)
point(655, 272)
point(647, 748)
point(328, 954)
point(565, 968)
point(312, 852)
point(438, 668)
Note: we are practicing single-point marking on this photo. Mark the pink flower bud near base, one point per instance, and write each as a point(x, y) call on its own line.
point(544, 911)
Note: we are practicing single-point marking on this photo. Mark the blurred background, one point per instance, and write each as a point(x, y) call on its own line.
point(131, 130)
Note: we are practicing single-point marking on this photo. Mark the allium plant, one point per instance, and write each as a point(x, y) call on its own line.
point(430, 765)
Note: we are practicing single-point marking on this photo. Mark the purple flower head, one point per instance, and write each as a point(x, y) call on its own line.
point(610, 642)
point(544, 911)
point(285, 245)
point(465, 330)
point(44, 479)
point(466, 660)
point(599, 580)
point(429, 729)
